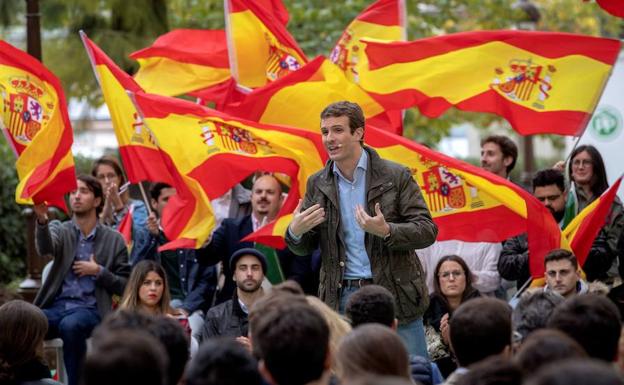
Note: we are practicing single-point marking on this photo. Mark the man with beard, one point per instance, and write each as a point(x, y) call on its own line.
point(230, 318)
point(548, 188)
point(498, 155)
point(266, 201)
point(90, 266)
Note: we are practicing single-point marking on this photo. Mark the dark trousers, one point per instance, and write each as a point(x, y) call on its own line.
point(73, 326)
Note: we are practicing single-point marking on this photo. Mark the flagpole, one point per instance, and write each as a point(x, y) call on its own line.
point(145, 200)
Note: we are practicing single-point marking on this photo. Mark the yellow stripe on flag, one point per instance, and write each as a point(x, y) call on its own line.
point(464, 73)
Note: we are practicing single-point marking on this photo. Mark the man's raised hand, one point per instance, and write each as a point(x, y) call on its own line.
point(306, 220)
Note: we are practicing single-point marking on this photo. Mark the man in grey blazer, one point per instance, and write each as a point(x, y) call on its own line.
point(90, 266)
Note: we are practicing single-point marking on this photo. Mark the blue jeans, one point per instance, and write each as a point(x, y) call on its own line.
point(73, 326)
point(413, 333)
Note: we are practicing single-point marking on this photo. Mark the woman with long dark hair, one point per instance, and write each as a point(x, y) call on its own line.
point(23, 328)
point(588, 177)
point(147, 289)
point(452, 283)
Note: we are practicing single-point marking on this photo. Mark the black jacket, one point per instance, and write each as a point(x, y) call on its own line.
point(225, 320)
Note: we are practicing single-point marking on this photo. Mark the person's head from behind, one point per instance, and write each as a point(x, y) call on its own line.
point(87, 199)
point(578, 371)
point(586, 168)
point(342, 130)
point(23, 327)
point(372, 349)
point(544, 347)
point(498, 155)
point(549, 188)
point(159, 196)
point(532, 312)
point(222, 361)
point(248, 267)
point(494, 370)
point(291, 340)
point(266, 197)
point(561, 272)
point(378, 380)
point(484, 323)
point(593, 321)
point(371, 304)
point(108, 171)
point(167, 331)
point(125, 357)
point(147, 289)
point(452, 278)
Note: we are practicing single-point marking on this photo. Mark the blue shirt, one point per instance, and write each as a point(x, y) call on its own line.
point(351, 194)
point(79, 291)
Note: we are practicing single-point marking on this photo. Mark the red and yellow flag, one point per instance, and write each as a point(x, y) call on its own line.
point(138, 149)
point(384, 20)
point(541, 82)
point(209, 152)
point(584, 228)
point(466, 202)
point(298, 99)
point(614, 7)
point(34, 120)
point(260, 47)
point(182, 61)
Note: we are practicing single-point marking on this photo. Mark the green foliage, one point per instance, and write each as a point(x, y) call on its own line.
point(12, 225)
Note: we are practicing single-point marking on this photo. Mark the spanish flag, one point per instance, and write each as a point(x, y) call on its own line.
point(384, 20)
point(298, 99)
point(209, 152)
point(614, 7)
point(541, 82)
point(260, 47)
point(34, 120)
point(584, 228)
point(137, 147)
point(182, 61)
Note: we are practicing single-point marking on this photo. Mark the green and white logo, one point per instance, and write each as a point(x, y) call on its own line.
point(606, 123)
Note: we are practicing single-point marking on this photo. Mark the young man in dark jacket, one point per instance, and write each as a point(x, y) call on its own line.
point(90, 266)
point(368, 215)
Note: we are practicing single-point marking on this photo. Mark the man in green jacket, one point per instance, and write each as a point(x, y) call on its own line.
point(368, 215)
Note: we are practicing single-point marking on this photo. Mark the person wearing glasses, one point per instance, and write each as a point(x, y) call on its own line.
point(452, 287)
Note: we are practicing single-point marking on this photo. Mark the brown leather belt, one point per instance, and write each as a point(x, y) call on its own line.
point(349, 283)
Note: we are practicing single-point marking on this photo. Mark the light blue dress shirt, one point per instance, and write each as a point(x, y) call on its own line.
point(351, 194)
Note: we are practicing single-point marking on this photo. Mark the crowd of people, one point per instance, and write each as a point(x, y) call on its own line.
point(362, 294)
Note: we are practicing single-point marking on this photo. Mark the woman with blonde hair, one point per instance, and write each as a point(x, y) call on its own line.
point(338, 326)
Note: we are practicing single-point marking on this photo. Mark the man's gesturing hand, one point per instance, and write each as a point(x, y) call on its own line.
point(306, 220)
point(376, 225)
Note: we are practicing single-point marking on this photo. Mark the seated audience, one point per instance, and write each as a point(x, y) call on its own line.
point(375, 304)
point(544, 347)
point(147, 290)
point(372, 349)
point(222, 361)
point(164, 330)
point(493, 370)
point(452, 287)
point(22, 329)
point(532, 313)
point(576, 372)
point(479, 328)
point(291, 340)
point(593, 321)
point(125, 357)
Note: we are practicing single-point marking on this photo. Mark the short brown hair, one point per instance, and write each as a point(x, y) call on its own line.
point(559, 254)
point(344, 108)
point(507, 146)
